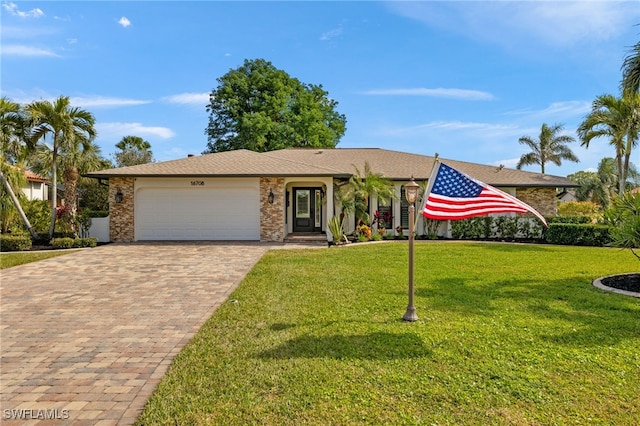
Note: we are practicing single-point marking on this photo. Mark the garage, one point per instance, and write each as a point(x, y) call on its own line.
point(197, 209)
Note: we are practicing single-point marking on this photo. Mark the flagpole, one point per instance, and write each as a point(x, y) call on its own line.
point(411, 193)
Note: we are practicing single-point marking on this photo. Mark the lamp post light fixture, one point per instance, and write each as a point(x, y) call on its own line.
point(411, 193)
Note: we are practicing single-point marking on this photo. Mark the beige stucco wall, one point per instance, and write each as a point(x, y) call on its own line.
point(541, 199)
point(272, 215)
point(121, 215)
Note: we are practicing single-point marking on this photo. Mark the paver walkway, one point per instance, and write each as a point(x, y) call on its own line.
point(86, 337)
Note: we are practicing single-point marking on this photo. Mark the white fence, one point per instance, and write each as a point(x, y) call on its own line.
point(100, 229)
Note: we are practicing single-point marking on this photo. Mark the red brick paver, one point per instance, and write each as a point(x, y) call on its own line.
point(86, 337)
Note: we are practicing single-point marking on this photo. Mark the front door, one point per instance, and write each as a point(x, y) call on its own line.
point(307, 210)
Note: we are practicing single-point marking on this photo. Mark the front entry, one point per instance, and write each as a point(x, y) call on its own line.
point(307, 209)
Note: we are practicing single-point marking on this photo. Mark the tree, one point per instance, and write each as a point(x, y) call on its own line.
point(619, 120)
point(15, 145)
point(74, 160)
point(631, 71)
point(261, 108)
point(67, 126)
point(600, 186)
point(133, 151)
point(550, 147)
point(364, 186)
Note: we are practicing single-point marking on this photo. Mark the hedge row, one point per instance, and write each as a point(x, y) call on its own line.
point(578, 234)
point(562, 230)
point(22, 242)
point(11, 242)
point(65, 243)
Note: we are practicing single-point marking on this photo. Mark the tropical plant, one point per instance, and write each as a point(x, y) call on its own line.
point(261, 108)
point(73, 159)
point(68, 126)
point(624, 218)
point(550, 147)
point(631, 71)
point(598, 186)
point(133, 150)
point(15, 146)
point(619, 120)
point(335, 227)
point(365, 185)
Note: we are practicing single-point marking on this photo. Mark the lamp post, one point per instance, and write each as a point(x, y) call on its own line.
point(411, 193)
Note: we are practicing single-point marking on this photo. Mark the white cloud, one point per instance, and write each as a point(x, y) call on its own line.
point(21, 50)
point(124, 22)
point(331, 34)
point(561, 110)
point(438, 93)
point(188, 98)
point(101, 101)
point(12, 9)
point(115, 131)
point(553, 23)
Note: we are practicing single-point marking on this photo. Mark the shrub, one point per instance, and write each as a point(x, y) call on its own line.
point(578, 234)
point(624, 217)
point(15, 242)
point(66, 242)
point(579, 208)
point(569, 219)
point(85, 242)
point(62, 243)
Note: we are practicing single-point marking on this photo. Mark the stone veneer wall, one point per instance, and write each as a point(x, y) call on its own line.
point(541, 199)
point(121, 219)
point(272, 215)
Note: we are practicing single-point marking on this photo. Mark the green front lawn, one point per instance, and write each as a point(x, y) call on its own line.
point(508, 334)
point(7, 260)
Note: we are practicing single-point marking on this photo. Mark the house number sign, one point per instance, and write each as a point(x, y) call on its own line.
point(197, 183)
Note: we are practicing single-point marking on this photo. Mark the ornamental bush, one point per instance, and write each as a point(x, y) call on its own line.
point(578, 234)
point(15, 242)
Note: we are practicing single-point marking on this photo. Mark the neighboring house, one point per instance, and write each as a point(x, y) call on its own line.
point(245, 195)
point(567, 196)
point(37, 187)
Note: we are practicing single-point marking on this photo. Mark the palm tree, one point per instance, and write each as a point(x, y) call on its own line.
point(619, 120)
point(550, 147)
point(15, 144)
point(133, 151)
point(74, 160)
point(631, 71)
point(364, 186)
point(67, 126)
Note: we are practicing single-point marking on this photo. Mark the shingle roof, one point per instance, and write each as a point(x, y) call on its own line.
point(338, 162)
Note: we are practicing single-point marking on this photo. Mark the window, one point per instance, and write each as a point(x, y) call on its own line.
point(404, 210)
point(385, 213)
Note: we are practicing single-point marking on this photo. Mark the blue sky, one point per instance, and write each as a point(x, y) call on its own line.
point(462, 79)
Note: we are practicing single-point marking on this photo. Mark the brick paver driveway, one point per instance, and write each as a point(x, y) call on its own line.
point(87, 336)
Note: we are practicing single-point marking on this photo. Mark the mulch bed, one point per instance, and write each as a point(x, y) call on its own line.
point(627, 282)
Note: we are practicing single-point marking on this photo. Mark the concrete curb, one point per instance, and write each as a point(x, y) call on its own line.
point(598, 283)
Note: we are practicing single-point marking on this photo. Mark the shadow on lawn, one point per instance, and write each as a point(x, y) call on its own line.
point(372, 346)
point(583, 314)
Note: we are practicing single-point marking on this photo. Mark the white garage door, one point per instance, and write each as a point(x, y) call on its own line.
point(197, 214)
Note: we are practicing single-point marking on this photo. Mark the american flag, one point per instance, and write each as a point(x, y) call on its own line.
point(452, 195)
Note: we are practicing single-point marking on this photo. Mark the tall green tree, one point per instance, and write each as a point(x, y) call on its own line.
point(631, 71)
point(14, 124)
point(67, 127)
point(261, 108)
point(133, 150)
point(550, 147)
point(617, 119)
